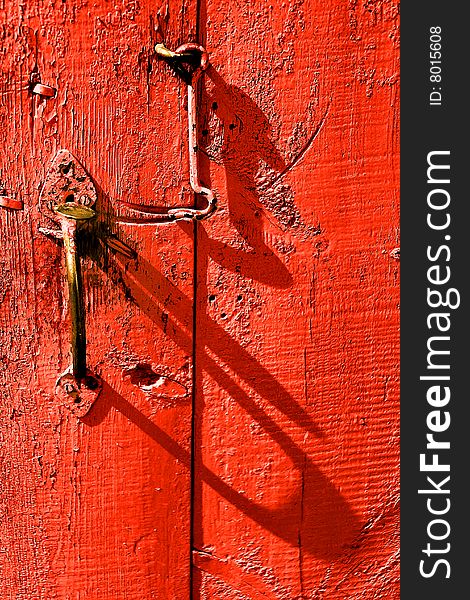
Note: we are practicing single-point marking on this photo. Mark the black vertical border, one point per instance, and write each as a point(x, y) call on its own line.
point(425, 128)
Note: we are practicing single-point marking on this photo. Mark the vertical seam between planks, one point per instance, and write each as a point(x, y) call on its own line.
point(194, 374)
point(193, 416)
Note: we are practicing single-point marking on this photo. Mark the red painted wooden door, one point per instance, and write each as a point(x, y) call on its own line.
point(245, 443)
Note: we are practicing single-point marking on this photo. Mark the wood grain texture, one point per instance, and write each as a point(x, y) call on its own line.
point(96, 508)
point(288, 488)
point(296, 478)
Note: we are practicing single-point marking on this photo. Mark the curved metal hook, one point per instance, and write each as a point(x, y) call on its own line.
point(187, 53)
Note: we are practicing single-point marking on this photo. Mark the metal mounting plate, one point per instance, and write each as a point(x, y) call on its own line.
point(78, 396)
point(67, 183)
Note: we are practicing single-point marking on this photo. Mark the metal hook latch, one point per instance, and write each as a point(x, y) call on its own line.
point(67, 197)
point(197, 58)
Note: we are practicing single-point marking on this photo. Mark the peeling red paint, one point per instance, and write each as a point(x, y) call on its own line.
point(297, 304)
point(264, 452)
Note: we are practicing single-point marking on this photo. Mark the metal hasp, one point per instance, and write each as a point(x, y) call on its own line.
point(67, 198)
point(189, 61)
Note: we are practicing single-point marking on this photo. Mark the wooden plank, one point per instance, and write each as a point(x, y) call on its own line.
point(296, 481)
point(99, 507)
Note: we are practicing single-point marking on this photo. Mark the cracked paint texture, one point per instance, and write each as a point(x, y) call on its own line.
point(246, 442)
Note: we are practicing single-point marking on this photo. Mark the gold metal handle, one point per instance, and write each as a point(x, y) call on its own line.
point(67, 198)
point(70, 216)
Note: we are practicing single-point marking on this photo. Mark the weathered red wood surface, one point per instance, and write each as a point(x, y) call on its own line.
point(296, 489)
point(97, 508)
point(288, 488)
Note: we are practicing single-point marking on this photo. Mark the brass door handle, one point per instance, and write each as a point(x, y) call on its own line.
point(67, 198)
point(71, 215)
